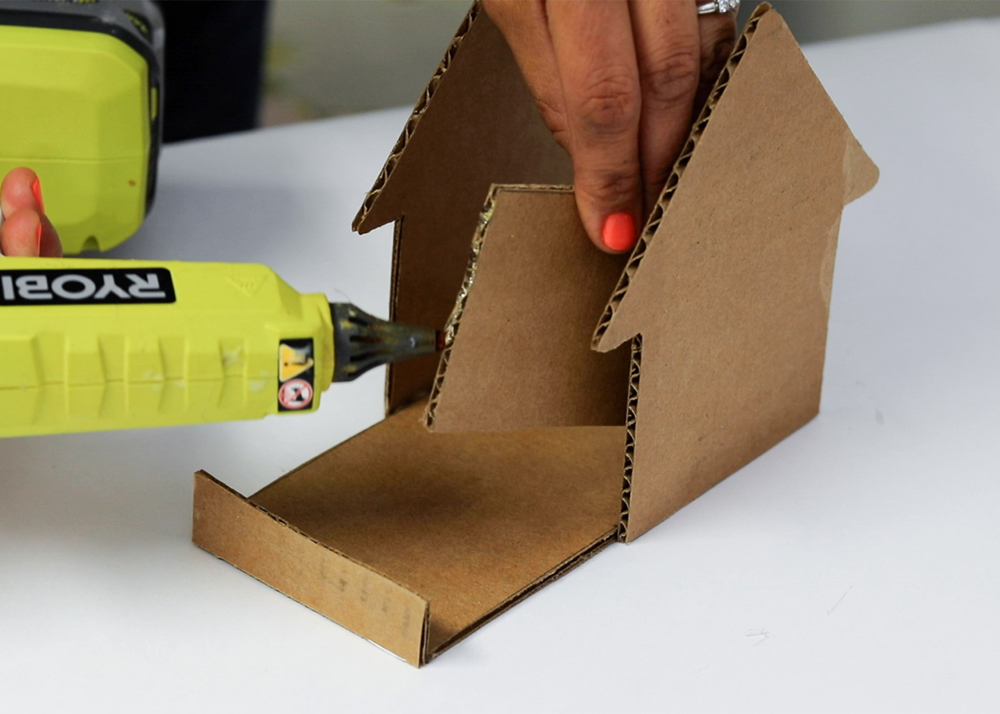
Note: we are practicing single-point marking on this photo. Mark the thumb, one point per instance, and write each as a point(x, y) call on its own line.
point(21, 234)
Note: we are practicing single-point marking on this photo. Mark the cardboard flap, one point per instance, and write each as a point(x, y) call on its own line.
point(476, 124)
point(256, 542)
point(518, 342)
point(469, 523)
point(729, 286)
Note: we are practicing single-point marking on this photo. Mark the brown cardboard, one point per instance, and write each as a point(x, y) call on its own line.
point(741, 248)
point(257, 542)
point(475, 125)
point(533, 287)
point(741, 254)
point(399, 530)
point(414, 537)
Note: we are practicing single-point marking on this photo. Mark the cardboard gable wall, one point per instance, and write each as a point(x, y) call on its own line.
point(475, 125)
point(724, 302)
point(543, 441)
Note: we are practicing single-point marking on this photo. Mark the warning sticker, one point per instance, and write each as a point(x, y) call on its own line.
point(295, 394)
point(294, 361)
point(296, 372)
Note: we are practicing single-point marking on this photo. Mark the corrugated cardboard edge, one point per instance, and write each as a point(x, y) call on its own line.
point(454, 320)
point(397, 234)
point(369, 604)
point(652, 224)
point(631, 411)
point(656, 216)
point(411, 124)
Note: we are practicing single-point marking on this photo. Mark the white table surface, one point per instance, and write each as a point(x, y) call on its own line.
point(854, 567)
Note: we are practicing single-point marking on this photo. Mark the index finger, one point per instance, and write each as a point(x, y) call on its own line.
point(595, 55)
point(525, 27)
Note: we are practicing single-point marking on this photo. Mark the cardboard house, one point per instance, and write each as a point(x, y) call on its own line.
point(581, 398)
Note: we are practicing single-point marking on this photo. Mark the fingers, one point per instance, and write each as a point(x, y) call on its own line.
point(668, 54)
point(525, 27)
point(26, 231)
point(21, 234)
point(717, 39)
point(595, 53)
point(618, 82)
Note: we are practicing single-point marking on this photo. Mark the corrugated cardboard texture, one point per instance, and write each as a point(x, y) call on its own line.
point(470, 522)
point(476, 125)
point(319, 577)
point(730, 290)
point(518, 352)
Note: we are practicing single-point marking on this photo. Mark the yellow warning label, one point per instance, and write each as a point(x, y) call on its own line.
point(294, 361)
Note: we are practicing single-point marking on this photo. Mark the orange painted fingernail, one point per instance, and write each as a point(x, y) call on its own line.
point(38, 238)
point(619, 231)
point(36, 189)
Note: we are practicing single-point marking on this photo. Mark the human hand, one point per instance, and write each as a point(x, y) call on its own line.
point(617, 82)
point(25, 231)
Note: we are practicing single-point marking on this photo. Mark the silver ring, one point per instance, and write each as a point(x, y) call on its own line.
point(718, 6)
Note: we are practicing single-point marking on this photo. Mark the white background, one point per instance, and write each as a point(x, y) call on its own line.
point(854, 567)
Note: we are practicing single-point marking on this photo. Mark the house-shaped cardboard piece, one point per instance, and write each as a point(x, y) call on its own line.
point(581, 397)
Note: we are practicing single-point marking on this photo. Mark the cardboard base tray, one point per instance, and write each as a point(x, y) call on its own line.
point(413, 539)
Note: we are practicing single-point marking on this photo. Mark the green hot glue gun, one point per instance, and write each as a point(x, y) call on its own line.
point(101, 344)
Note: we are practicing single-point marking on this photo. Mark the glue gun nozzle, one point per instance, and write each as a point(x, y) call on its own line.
point(362, 341)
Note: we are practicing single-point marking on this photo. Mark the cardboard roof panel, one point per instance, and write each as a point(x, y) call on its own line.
point(518, 353)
